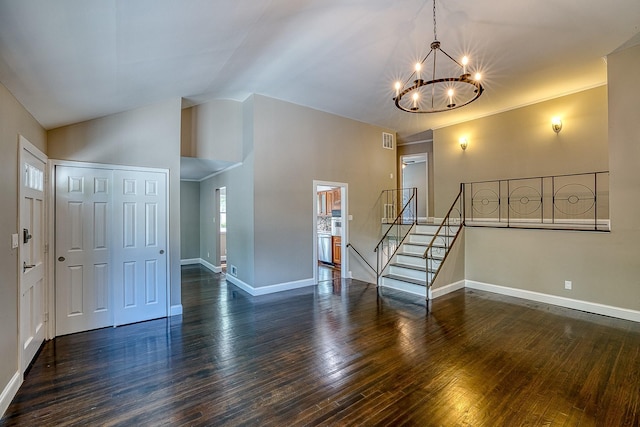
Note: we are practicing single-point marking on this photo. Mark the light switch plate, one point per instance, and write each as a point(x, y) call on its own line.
point(15, 241)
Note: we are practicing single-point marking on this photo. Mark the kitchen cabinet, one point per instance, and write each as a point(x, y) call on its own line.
point(337, 249)
point(335, 199)
point(325, 202)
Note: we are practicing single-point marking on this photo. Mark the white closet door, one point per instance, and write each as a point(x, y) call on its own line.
point(83, 249)
point(140, 239)
point(32, 265)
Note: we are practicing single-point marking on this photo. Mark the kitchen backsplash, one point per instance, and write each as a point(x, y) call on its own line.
point(324, 224)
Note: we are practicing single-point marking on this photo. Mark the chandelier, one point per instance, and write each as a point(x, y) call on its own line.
point(436, 94)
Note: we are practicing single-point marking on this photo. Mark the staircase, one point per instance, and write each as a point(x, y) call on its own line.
point(409, 271)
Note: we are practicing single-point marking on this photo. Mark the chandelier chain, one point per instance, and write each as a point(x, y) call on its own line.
point(435, 34)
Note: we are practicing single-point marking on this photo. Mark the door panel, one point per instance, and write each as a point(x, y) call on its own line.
point(140, 262)
point(32, 247)
point(83, 250)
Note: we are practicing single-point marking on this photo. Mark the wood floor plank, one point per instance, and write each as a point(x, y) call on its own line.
point(339, 354)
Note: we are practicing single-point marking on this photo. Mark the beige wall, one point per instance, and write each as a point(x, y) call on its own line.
point(239, 182)
point(213, 131)
point(189, 220)
point(520, 143)
point(270, 217)
point(187, 146)
point(601, 132)
point(294, 146)
point(14, 121)
point(148, 137)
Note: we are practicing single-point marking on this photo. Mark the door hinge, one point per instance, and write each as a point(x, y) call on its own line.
point(46, 318)
point(46, 248)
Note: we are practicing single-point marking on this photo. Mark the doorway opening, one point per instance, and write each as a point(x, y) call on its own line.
point(415, 173)
point(221, 201)
point(330, 230)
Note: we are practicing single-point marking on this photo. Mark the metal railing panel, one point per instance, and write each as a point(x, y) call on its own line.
point(574, 202)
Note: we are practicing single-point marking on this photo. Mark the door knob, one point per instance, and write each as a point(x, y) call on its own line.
point(61, 258)
point(25, 235)
point(25, 266)
point(161, 251)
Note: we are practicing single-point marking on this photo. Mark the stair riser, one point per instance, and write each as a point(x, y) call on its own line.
point(434, 264)
point(407, 272)
point(404, 286)
point(425, 239)
point(431, 229)
point(408, 248)
point(417, 262)
point(437, 253)
point(411, 260)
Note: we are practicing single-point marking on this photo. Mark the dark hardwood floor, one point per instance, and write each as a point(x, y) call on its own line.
point(340, 355)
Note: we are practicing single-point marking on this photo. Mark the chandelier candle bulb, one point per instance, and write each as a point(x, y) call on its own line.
point(465, 61)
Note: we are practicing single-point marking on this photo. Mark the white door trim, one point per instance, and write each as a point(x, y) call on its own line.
point(25, 145)
point(344, 216)
point(53, 163)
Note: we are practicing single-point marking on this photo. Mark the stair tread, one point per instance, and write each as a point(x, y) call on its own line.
point(406, 279)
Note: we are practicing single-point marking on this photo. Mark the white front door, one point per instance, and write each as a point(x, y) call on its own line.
point(140, 240)
point(32, 251)
point(83, 249)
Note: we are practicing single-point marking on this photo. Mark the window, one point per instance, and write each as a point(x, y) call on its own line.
point(223, 210)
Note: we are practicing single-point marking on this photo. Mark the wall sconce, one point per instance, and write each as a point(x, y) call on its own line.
point(556, 124)
point(463, 143)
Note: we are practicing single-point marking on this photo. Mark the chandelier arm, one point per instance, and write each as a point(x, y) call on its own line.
point(414, 73)
point(449, 56)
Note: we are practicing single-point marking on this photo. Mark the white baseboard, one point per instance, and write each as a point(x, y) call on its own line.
point(447, 289)
point(215, 269)
point(264, 290)
point(590, 307)
point(176, 310)
point(9, 392)
point(202, 262)
point(239, 283)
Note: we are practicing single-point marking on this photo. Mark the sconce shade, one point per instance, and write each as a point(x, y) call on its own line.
point(463, 143)
point(556, 124)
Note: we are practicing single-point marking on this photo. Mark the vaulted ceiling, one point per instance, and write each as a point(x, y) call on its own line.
point(68, 60)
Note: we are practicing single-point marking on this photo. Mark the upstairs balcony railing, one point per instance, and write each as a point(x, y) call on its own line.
point(398, 228)
point(393, 201)
point(566, 202)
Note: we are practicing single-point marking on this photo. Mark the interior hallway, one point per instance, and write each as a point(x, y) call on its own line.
point(339, 354)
